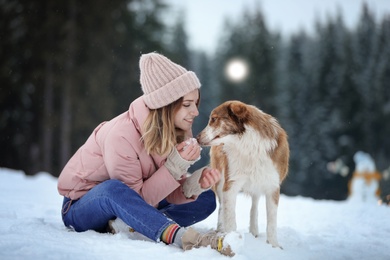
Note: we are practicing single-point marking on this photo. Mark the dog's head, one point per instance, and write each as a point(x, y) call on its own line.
point(225, 120)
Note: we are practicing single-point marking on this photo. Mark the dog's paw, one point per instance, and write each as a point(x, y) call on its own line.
point(255, 233)
point(275, 244)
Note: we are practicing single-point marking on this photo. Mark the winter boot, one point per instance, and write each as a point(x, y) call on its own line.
point(117, 225)
point(193, 239)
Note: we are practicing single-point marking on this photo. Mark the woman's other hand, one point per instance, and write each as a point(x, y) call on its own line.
point(209, 178)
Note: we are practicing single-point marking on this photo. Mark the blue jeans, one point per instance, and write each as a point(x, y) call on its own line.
point(112, 198)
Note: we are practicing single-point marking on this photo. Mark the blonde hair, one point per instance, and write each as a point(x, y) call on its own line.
point(160, 134)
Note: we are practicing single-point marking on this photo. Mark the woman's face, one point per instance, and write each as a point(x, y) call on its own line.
point(188, 110)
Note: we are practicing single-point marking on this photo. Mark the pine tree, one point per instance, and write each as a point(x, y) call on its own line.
point(178, 45)
point(364, 66)
point(293, 87)
point(381, 95)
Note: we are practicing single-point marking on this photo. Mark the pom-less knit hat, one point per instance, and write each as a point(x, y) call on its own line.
point(164, 81)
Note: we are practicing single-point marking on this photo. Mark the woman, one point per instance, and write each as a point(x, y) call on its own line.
point(134, 167)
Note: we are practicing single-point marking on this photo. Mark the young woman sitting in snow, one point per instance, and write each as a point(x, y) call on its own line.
point(134, 167)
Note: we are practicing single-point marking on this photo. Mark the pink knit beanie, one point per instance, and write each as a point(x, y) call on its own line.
point(163, 81)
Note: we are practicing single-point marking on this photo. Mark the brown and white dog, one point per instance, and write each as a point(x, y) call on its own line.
point(251, 151)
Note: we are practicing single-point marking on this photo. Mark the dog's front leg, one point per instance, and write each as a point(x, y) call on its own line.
point(219, 192)
point(272, 201)
point(229, 209)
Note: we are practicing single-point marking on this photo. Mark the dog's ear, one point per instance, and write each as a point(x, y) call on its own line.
point(238, 110)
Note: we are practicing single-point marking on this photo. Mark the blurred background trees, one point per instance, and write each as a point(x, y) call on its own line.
point(65, 66)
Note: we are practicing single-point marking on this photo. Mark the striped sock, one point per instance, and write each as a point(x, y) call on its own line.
point(168, 235)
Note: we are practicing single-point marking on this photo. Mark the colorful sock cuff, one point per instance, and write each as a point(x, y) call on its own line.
point(168, 235)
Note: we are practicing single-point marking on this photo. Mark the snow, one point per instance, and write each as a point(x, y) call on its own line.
point(31, 228)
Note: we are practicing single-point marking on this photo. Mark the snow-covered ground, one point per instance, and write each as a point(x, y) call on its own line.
point(31, 228)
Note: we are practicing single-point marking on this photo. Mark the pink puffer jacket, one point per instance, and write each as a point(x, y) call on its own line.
point(114, 151)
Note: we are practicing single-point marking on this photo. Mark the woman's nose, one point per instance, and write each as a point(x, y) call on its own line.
point(195, 111)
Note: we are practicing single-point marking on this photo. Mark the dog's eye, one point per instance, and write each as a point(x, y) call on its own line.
point(212, 120)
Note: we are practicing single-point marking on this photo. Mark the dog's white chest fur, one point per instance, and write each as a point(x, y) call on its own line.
point(250, 164)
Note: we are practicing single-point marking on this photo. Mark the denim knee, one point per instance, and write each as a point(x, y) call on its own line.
point(116, 188)
point(209, 200)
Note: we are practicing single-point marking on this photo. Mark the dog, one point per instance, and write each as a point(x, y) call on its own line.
point(250, 149)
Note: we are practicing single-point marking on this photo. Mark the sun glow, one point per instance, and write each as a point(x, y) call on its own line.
point(236, 70)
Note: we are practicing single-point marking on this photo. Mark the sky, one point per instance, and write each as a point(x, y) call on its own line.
point(205, 17)
point(31, 228)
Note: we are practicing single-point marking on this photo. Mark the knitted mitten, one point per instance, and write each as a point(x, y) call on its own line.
point(191, 186)
point(176, 165)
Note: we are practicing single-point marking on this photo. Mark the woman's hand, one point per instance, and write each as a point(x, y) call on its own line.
point(200, 181)
point(209, 178)
point(189, 150)
point(182, 157)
